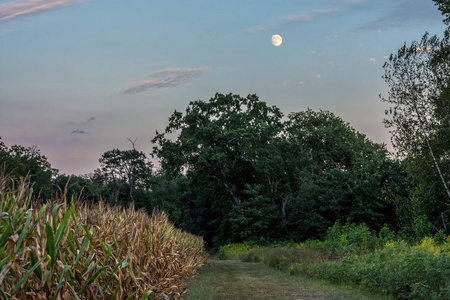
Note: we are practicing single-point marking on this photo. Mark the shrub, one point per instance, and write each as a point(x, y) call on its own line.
point(418, 272)
point(350, 239)
point(233, 251)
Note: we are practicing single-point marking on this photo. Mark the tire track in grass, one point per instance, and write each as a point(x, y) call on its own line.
point(235, 280)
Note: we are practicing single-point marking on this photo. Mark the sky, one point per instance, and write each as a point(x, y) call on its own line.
point(79, 77)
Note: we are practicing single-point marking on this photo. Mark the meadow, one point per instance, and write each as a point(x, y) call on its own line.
point(384, 262)
point(65, 249)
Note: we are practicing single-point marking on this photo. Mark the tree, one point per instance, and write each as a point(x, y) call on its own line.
point(219, 146)
point(219, 140)
point(417, 76)
point(78, 187)
point(444, 7)
point(252, 177)
point(23, 161)
point(122, 172)
point(335, 173)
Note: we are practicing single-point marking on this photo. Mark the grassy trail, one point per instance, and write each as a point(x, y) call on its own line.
point(233, 279)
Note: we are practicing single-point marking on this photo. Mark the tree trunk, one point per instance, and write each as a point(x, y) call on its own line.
point(436, 164)
point(283, 207)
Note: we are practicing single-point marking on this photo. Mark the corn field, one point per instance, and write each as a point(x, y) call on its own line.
point(62, 250)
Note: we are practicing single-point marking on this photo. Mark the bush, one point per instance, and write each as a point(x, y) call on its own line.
point(385, 264)
point(418, 272)
point(350, 239)
point(233, 251)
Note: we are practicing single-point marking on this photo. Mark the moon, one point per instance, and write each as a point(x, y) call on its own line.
point(276, 40)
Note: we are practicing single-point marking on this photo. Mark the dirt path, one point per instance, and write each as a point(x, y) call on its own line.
point(233, 280)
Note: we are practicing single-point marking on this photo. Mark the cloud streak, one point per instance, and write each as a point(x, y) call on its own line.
point(164, 79)
point(302, 18)
point(79, 132)
point(404, 14)
point(398, 14)
point(311, 16)
point(15, 9)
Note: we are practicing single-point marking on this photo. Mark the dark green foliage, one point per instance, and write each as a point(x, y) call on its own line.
point(354, 254)
point(124, 176)
point(22, 161)
point(444, 7)
point(77, 187)
point(252, 177)
point(419, 81)
point(221, 146)
point(337, 174)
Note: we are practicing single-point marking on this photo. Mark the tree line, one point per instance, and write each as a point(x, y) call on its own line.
point(239, 170)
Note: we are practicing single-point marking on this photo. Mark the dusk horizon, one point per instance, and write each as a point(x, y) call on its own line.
point(80, 77)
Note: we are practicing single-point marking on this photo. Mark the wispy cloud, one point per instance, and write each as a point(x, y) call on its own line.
point(311, 15)
point(79, 132)
point(403, 14)
point(14, 9)
point(164, 79)
point(301, 18)
point(397, 14)
point(81, 127)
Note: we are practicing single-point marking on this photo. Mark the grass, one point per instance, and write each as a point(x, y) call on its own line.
point(233, 279)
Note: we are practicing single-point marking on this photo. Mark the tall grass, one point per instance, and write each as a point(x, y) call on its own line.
point(383, 263)
point(81, 251)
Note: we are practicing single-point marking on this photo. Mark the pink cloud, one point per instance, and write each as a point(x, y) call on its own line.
point(165, 79)
point(16, 9)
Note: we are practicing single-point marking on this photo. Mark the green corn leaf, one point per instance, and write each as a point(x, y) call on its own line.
point(35, 223)
point(4, 261)
point(131, 296)
point(34, 260)
point(108, 254)
point(116, 267)
point(25, 277)
point(92, 279)
point(24, 230)
point(5, 236)
point(71, 276)
point(115, 292)
point(146, 295)
point(82, 249)
point(124, 264)
point(5, 295)
point(115, 241)
point(88, 231)
point(103, 245)
point(63, 226)
point(90, 269)
point(89, 259)
point(71, 242)
point(61, 279)
point(15, 219)
point(72, 291)
point(46, 279)
point(50, 246)
point(55, 214)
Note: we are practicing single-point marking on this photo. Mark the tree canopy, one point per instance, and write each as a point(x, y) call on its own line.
point(261, 177)
point(22, 161)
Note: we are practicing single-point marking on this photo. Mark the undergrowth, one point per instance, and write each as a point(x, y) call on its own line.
point(382, 262)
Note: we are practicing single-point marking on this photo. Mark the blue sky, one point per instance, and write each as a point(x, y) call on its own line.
point(77, 78)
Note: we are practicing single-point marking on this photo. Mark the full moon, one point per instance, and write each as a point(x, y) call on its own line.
point(276, 40)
